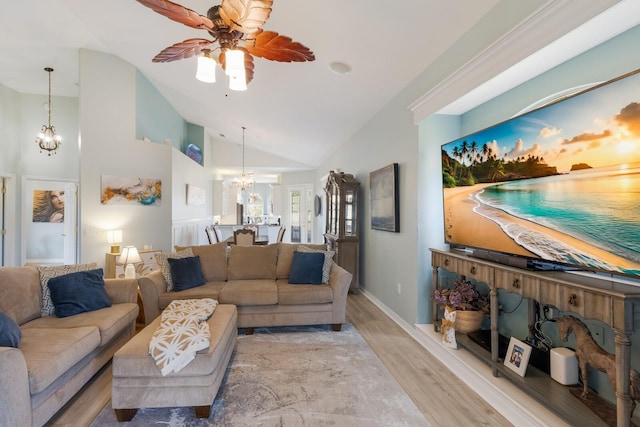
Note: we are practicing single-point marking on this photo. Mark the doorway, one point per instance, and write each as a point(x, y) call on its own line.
point(49, 221)
point(300, 207)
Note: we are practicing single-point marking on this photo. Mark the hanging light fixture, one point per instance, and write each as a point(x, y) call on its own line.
point(245, 182)
point(206, 71)
point(234, 68)
point(47, 139)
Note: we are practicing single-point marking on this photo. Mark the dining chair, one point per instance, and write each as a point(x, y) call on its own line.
point(281, 233)
point(217, 233)
point(209, 231)
point(244, 237)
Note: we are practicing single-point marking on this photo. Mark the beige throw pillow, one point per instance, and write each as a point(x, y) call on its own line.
point(162, 257)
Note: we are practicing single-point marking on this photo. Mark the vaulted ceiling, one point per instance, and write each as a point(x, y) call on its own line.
point(302, 111)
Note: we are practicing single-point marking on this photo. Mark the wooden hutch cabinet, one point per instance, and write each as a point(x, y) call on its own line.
point(342, 231)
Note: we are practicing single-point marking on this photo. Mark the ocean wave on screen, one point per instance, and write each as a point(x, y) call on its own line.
point(539, 243)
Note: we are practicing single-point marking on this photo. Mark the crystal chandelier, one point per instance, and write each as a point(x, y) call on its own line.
point(245, 182)
point(48, 139)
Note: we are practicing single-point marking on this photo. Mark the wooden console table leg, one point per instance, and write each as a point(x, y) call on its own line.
point(495, 308)
point(623, 368)
point(436, 321)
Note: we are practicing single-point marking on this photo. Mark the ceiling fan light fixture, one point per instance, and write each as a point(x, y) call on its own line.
point(206, 71)
point(238, 83)
point(234, 59)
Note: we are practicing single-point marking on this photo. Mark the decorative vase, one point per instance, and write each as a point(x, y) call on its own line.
point(468, 320)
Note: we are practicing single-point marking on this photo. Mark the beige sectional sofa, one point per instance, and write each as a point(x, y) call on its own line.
point(256, 280)
point(56, 356)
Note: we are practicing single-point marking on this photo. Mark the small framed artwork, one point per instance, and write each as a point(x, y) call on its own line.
point(196, 196)
point(517, 357)
point(385, 204)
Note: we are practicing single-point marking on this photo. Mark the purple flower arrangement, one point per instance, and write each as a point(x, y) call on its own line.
point(463, 296)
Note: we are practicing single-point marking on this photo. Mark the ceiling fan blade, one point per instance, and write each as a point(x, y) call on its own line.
point(182, 50)
point(248, 64)
point(179, 13)
point(275, 47)
point(246, 16)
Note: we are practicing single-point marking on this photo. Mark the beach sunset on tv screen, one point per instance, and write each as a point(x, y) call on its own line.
point(561, 183)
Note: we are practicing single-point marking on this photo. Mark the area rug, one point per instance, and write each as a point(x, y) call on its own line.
point(292, 377)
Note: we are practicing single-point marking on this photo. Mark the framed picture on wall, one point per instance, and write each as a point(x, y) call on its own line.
point(385, 204)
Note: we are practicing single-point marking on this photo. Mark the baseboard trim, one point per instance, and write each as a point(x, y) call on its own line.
point(510, 401)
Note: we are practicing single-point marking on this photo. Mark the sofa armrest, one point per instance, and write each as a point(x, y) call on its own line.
point(122, 290)
point(151, 287)
point(340, 280)
point(15, 398)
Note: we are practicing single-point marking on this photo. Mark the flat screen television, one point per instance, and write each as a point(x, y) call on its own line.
point(557, 186)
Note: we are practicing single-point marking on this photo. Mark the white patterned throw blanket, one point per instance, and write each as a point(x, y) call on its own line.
point(183, 331)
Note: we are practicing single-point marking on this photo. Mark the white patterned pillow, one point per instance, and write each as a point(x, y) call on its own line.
point(161, 258)
point(47, 272)
point(328, 260)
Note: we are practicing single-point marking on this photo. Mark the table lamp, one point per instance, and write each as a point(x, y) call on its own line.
point(114, 237)
point(128, 257)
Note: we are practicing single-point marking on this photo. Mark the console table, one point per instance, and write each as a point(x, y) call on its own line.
point(616, 304)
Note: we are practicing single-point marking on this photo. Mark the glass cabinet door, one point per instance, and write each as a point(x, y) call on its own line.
point(350, 213)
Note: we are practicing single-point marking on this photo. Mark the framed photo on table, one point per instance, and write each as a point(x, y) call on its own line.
point(517, 357)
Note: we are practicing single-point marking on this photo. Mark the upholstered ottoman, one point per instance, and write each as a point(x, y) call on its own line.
point(138, 383)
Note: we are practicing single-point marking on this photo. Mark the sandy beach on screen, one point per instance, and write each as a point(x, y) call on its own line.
point(466, 225)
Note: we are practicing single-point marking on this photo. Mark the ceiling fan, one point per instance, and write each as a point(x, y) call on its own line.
point(236, 26)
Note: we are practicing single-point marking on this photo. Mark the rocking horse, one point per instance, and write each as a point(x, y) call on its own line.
point(588, 352)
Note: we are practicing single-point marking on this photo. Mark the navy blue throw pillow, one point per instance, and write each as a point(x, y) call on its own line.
point(10, 333)
point(186, 273)
point(306, 268)
point(76, 293)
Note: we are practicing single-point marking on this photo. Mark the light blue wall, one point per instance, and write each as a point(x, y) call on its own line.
point(157, 120)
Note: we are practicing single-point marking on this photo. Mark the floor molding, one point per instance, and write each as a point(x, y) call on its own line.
point(510, 401)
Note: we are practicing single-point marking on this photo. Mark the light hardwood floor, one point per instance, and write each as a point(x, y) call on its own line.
point(442, 397)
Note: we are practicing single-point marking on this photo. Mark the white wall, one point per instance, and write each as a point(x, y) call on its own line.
point(109, 147)
point(21, 118)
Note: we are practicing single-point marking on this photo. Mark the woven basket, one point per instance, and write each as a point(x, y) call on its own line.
point(468, 321)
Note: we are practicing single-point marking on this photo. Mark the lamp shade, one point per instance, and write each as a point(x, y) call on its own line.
point(129, 255)
point(234, 62)
point(206, 71)
point(114, 237)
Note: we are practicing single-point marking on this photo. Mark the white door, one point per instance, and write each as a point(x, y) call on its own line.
point(49, 221)
point(300, 208)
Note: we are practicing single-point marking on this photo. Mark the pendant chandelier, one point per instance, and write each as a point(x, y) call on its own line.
point(47, 139)
point(245, 182)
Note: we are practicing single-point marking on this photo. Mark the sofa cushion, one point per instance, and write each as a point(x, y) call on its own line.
point(285, 257)
point(48, 272)
point(161, 258)
point(110, 321)
point(10, 334)
point(213, 259)
point(186, 273)
point(306, 268)
point(290, 294)
point(252, 262)
point(50, 353)
point(20, 293)
point(249, 292)
point(328, 260)
point(76, 293)
point(208, 290)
